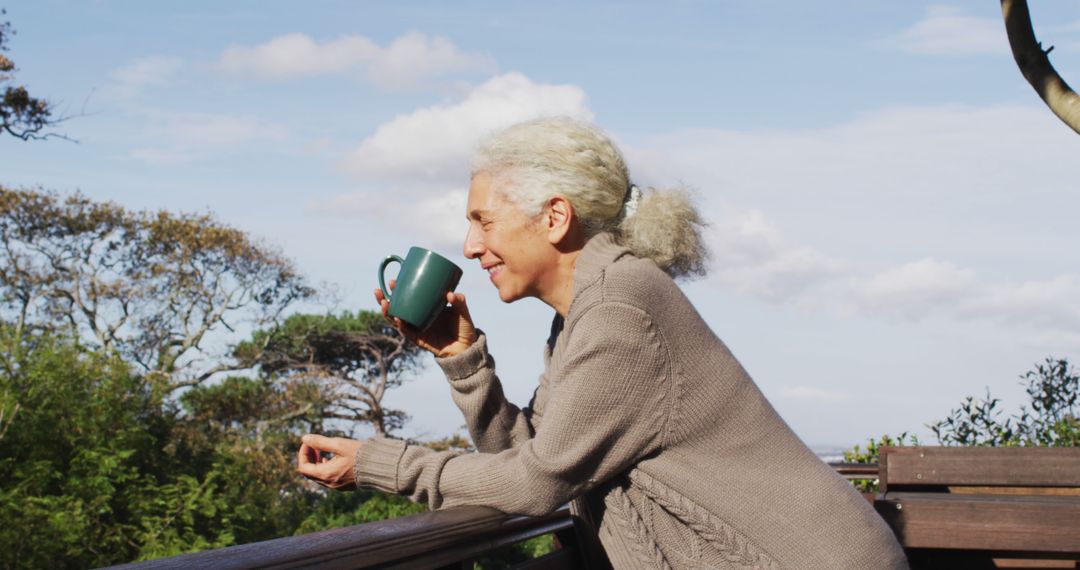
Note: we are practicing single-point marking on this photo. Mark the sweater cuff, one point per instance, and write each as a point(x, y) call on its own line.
point(469, 362)
point(377, 464)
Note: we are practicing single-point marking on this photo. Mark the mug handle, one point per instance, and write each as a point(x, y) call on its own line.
point(382, 270)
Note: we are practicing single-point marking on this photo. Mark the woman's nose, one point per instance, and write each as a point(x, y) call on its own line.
point(474, 246)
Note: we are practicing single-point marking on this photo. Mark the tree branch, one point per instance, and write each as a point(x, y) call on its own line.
point(5, 424)
point(1035, 65)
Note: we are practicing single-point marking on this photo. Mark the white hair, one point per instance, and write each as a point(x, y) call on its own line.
point(532, 161)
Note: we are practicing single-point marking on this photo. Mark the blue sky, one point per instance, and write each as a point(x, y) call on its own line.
point(892, 208)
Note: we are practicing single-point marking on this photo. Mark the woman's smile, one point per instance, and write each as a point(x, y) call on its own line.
point(494, 270)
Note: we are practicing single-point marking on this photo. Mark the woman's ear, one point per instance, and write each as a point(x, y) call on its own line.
point(559, 218)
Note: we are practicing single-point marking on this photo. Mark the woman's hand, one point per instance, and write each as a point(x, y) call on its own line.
point(450, 334)
point(335, 472)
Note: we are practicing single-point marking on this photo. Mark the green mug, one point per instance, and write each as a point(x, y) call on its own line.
point(422, 283)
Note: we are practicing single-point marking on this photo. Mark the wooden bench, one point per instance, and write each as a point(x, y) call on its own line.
point(983, 507)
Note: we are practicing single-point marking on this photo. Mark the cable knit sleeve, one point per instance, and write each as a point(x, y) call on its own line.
point(494, 422)
point(608, 409)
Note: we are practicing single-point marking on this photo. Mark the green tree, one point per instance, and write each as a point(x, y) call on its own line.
point(353, 358)
point(151, 287)
point(74, 458)
point(21, 115)
point(121, 436)
point(99, 468)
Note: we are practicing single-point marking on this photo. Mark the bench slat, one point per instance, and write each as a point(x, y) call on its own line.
point(970, 522)
point(985, 466)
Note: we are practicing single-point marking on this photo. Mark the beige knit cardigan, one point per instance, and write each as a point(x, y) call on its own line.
point(645, 420)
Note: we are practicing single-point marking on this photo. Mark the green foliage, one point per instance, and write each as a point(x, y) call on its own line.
point(98, 466)
point(350, 360)
point(455, 442)
point(976, 422)
point(510, 555)
point(71, 464)
point(335, 510)
point(872, 454)
point(1051, 418)
point(120, 439)
point(1054, 417)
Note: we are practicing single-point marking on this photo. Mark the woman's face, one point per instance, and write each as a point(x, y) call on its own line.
point(512, 247)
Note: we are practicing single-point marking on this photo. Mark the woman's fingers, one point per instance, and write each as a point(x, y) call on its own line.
point(323, 443)
point(335, 472)
point(324, 473)
point(304, 455)
point(457, 301)
point(313, 470)
point(384, 304)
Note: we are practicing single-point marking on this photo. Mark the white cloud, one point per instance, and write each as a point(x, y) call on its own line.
point(404, 62)
point(814, 394)
point(420, 161)
point(912, 213)
point(414, 56)
point(297, 54)
point(916, 289)
point(150, 71)
point(1049, 305)
point(749, 256)
point(947, 30)
point(434, 143)
point(438, 217)
point(931, 289)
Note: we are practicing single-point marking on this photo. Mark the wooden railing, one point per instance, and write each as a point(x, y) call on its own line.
point(1016, 525)
point(443, 539)
point(856, 471)
point(949, 508)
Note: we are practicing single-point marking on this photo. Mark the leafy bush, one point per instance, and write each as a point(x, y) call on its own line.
point(871, 455)
point(98, 468)
point(1051, 418)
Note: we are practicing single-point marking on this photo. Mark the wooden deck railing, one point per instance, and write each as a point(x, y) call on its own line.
point(856, 471)
point(990, 512)
point(441, 540)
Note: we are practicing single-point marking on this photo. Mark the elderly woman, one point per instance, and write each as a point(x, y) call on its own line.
point(642, 419)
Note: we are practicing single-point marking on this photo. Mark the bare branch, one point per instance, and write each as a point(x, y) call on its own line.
point(1035, 65)
point(6, 423)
